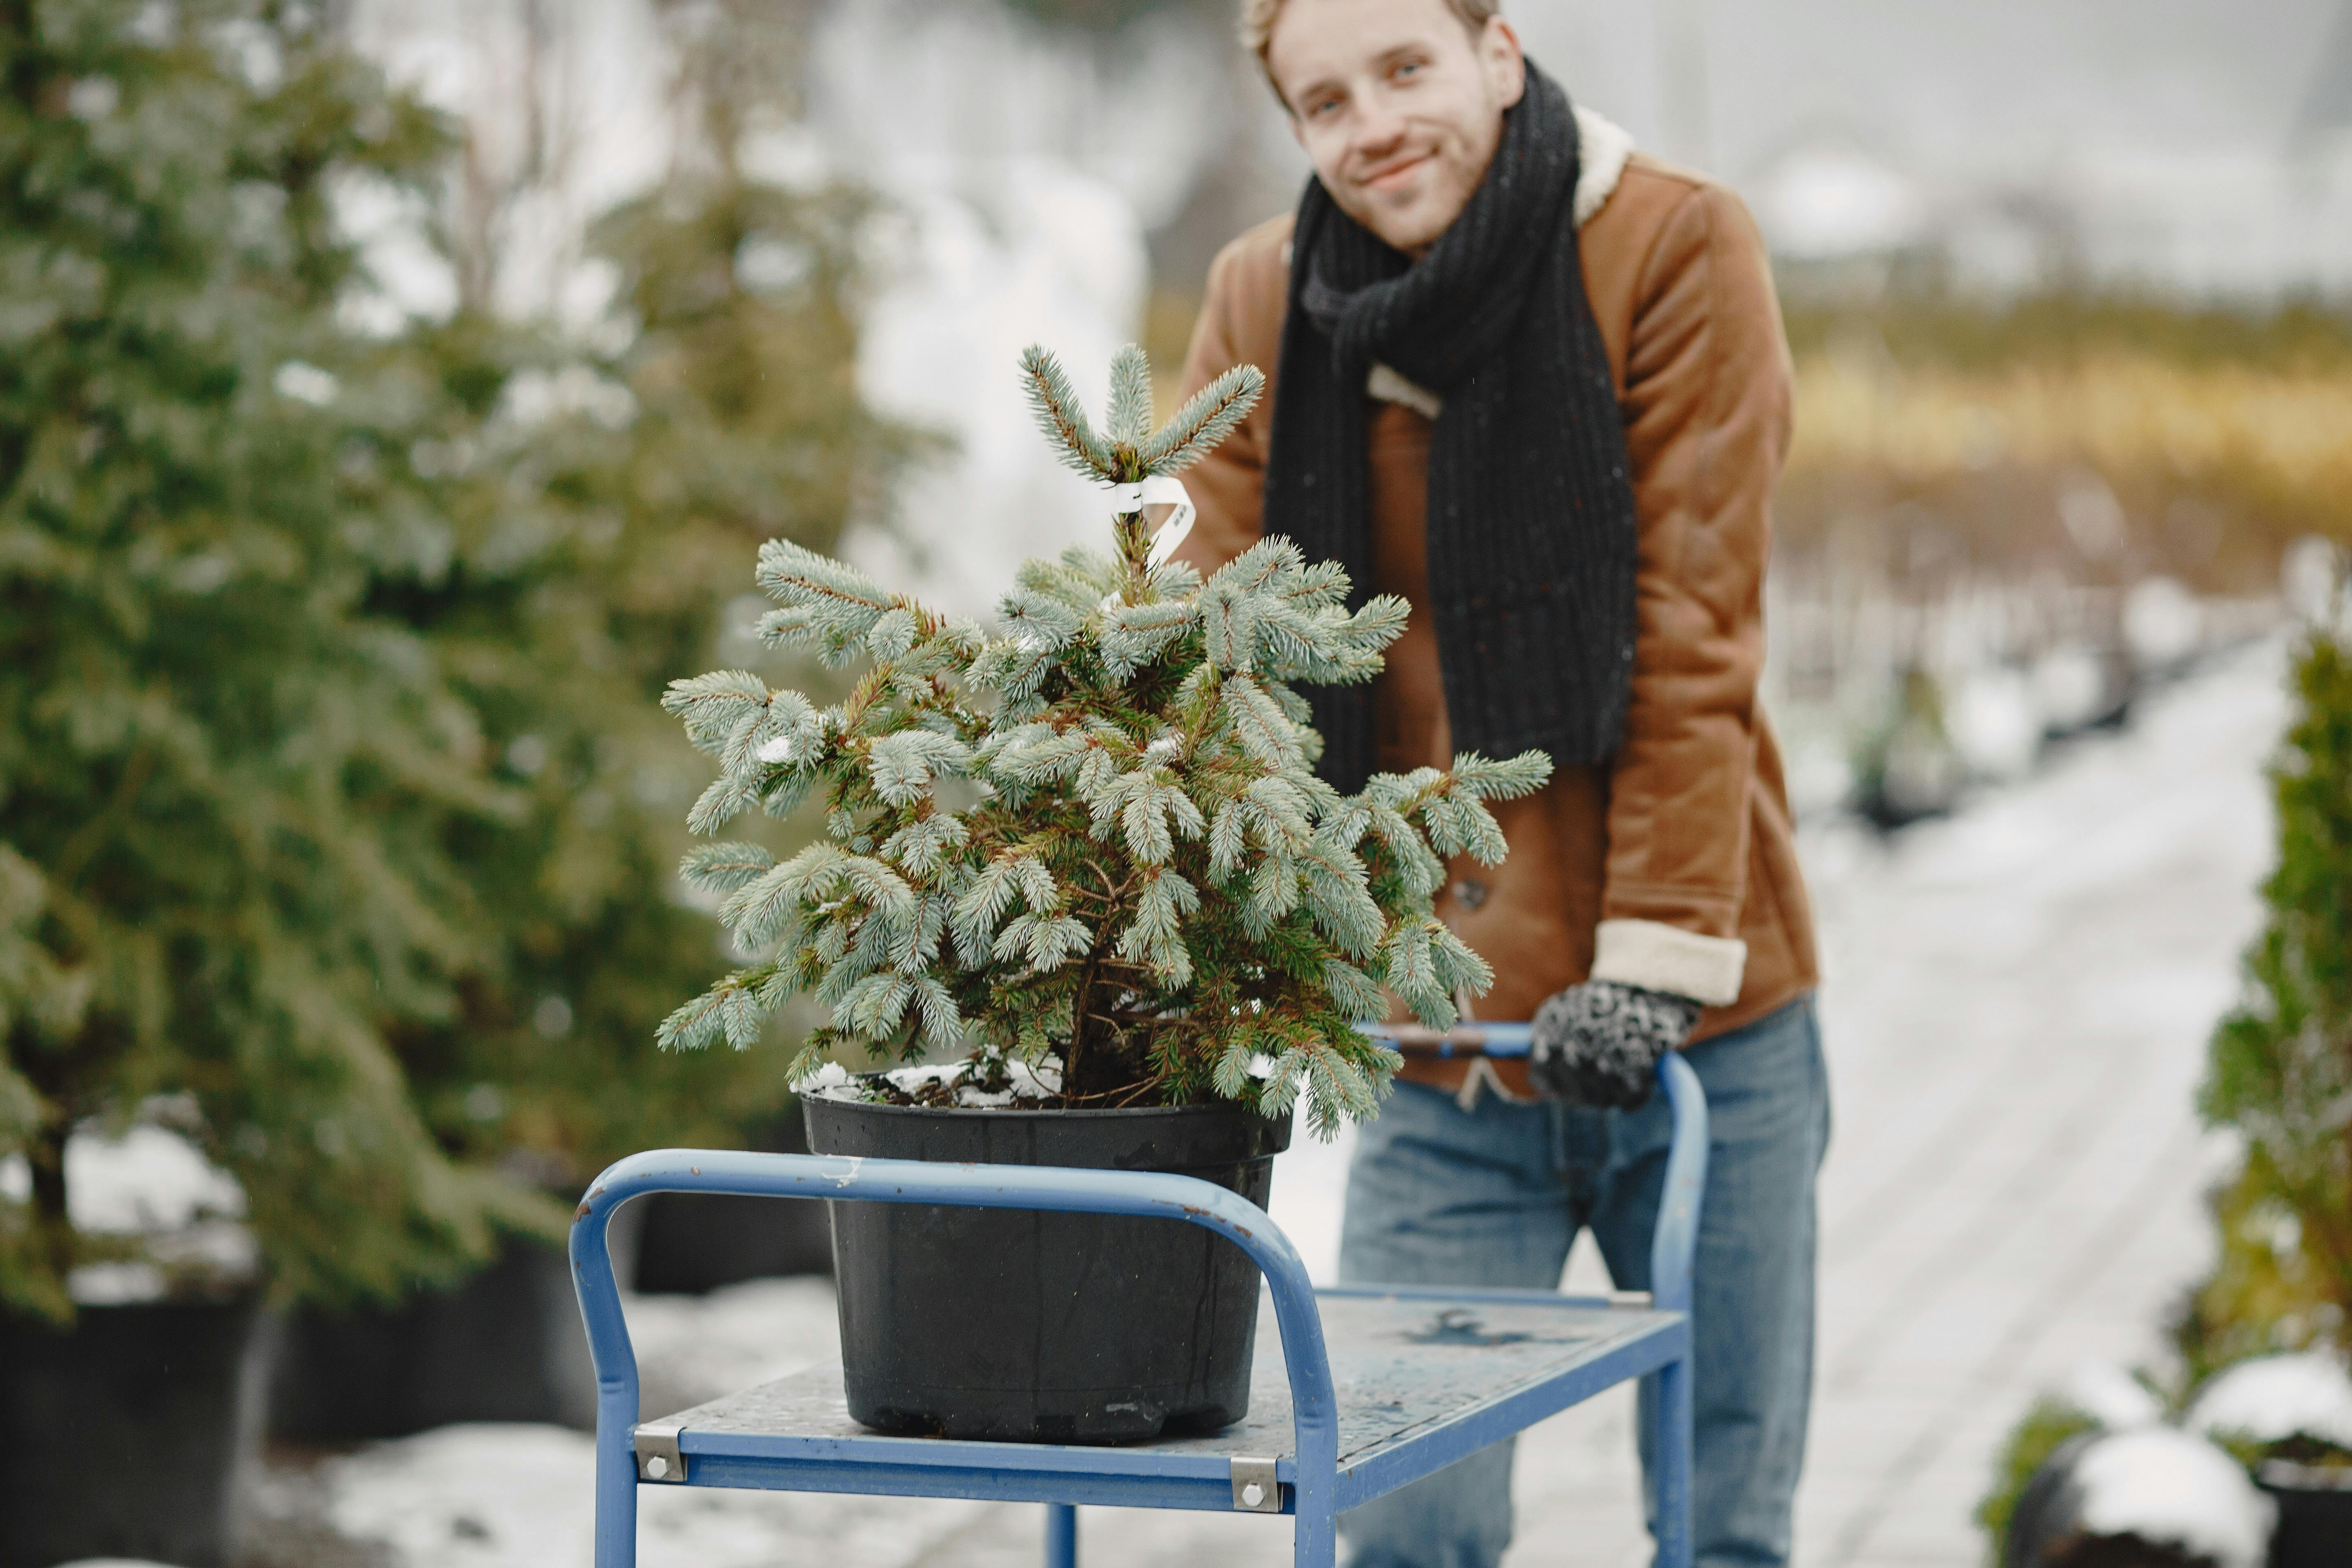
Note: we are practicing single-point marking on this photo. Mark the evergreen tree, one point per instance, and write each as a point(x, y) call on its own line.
point(1094, 836)
point(548, 603)
point(728, 413)
point(333, 787)
point(743, 291)
point(224, 774)
point(2280, 1070)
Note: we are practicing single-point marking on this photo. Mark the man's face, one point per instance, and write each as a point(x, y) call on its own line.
point(1397, 105)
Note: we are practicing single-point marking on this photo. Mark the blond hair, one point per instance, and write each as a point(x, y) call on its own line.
point(1258, 18)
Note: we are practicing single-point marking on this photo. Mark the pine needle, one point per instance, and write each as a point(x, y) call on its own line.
point(1130, 397)
point(1207, 418)
point(1061, 417)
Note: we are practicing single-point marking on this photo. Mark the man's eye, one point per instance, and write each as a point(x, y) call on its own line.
point(1408, 68)
point(1319, 105)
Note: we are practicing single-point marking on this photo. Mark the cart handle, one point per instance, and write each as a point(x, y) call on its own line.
point(1674, 1242)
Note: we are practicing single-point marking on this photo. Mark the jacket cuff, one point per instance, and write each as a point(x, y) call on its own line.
point(1657, 956)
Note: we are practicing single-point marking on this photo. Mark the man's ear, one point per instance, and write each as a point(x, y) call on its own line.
point(1504, 62)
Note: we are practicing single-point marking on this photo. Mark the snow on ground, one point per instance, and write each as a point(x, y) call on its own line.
point(493, 1496)
point(695, 1348)
point(2015, 1011)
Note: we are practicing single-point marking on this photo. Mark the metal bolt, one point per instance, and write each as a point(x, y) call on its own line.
point(657, 1466)
point(1253, 1494)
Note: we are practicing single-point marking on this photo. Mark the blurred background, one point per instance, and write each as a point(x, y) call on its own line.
point(394, 394)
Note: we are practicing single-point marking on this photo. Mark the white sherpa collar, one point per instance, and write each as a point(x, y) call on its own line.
point(1603, 146)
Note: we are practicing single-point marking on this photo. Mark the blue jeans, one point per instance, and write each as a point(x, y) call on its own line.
point(1495, 1196)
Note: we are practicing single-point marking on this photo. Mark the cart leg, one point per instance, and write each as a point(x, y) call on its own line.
point(1315, 1544)
point(1315, 1540)
point(616, 1495)
point(1668, 1389)
point(1061, 1535)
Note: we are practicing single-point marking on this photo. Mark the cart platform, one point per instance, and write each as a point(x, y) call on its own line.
point(1355, 1390)
point(1420, 1380)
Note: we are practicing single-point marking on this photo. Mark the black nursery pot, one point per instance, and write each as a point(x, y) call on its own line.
point(1031, 1326)
point(505, 1344)
point(697, 1242)
point(128, 1432)
point(2315, 1516)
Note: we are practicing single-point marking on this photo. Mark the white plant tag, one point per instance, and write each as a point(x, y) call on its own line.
point(1165, 494)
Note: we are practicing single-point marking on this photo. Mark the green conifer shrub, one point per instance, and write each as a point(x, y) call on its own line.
point(337, 807)
point(1093, 834)
point(226, 776)
point(594, 553)
point(2280, 1072)
point(2041, 1432)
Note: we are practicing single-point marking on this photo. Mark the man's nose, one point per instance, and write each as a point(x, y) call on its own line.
point(1378, 127)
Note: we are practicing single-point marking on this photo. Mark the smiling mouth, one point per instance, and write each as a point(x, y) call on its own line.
point(1395, 175)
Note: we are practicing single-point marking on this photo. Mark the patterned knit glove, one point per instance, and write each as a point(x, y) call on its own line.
point(1599, 1044)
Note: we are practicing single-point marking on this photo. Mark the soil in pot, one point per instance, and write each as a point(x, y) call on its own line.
point(130, 1433)
point(1023, 1325)
point(505, 1344)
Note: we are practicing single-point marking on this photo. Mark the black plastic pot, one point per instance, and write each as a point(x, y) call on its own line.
point(2315, 1516)
point(696, 1242)
point(128, 1435)
point(1038, 1327)
point(504, 1345)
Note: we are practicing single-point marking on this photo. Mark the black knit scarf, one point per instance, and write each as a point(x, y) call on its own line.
point(1530, 530)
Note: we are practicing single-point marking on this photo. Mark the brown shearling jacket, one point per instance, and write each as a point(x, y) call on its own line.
point(1675, 865)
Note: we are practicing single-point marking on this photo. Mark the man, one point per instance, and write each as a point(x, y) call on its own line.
point(1535, 384)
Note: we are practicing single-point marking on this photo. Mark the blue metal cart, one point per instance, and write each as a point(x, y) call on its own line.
point(1364, 1390)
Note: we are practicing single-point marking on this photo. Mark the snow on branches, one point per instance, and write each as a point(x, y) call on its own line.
point(1095, 831)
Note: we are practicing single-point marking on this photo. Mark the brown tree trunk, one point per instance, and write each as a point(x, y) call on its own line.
point(1105, 1061)
point(51, 1221)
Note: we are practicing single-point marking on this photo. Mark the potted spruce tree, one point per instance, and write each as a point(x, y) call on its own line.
point(1079, 873)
